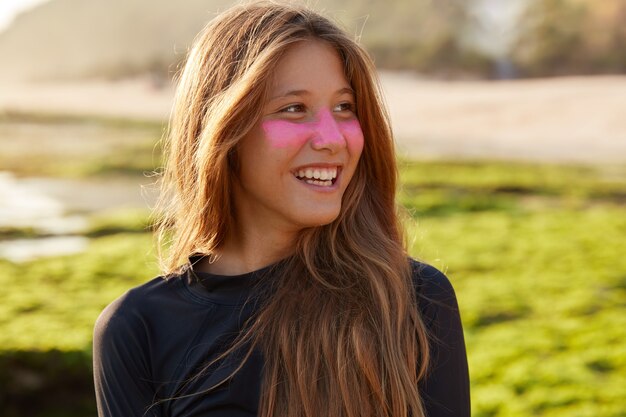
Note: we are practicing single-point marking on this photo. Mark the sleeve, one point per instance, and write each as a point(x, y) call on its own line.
point(121, 364)
point(445, 390)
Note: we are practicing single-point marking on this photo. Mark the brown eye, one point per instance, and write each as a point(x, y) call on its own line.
point(293, 108)
point(344, 107)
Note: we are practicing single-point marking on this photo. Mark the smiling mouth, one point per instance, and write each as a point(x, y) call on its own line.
point(323, 177)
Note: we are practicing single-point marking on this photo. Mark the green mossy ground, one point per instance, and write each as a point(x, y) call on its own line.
point(535, 254)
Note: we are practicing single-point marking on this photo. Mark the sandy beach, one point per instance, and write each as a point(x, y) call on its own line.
point(572, 119)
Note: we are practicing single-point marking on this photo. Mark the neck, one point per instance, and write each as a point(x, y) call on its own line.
point(249, 249)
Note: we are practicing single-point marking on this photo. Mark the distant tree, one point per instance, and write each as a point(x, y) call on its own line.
point(562, 37)
point(423, 35)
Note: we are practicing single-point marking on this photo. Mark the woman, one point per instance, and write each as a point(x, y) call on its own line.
point(287, 290)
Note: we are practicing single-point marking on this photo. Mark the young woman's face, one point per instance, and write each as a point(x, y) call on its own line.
point(298, 160)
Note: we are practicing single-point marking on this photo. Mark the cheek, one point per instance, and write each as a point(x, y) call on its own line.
point(281, 134)
point(351, 130)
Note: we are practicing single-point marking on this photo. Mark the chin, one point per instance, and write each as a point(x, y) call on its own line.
point(319, 219)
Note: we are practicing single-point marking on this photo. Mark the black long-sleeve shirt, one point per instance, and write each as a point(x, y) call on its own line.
point(157, 335)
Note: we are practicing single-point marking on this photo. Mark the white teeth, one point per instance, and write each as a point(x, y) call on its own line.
point(322, 177)
point(322, 174)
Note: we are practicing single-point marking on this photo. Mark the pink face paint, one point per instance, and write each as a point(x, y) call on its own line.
point(283, 133)
point(325, 129)
point(352, 133)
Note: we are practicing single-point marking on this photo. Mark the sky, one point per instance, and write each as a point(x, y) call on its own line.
point(10, 8)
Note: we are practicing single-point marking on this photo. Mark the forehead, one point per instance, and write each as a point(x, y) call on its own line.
point(309, 65)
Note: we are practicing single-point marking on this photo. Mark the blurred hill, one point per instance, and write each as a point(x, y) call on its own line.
point(69, 39)
point(116, 38)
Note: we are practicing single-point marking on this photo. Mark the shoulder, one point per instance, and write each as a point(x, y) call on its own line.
point(130, 313)
point(126, 352)
point(430, 281)
point(445, 389)
point(434, 290)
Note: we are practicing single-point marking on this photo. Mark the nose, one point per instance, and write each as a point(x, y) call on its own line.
point(328, 135)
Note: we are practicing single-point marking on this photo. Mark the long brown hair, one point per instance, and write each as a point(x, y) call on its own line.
point(341, 334)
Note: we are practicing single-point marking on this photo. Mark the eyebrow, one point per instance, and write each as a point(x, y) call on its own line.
point(345, 90)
